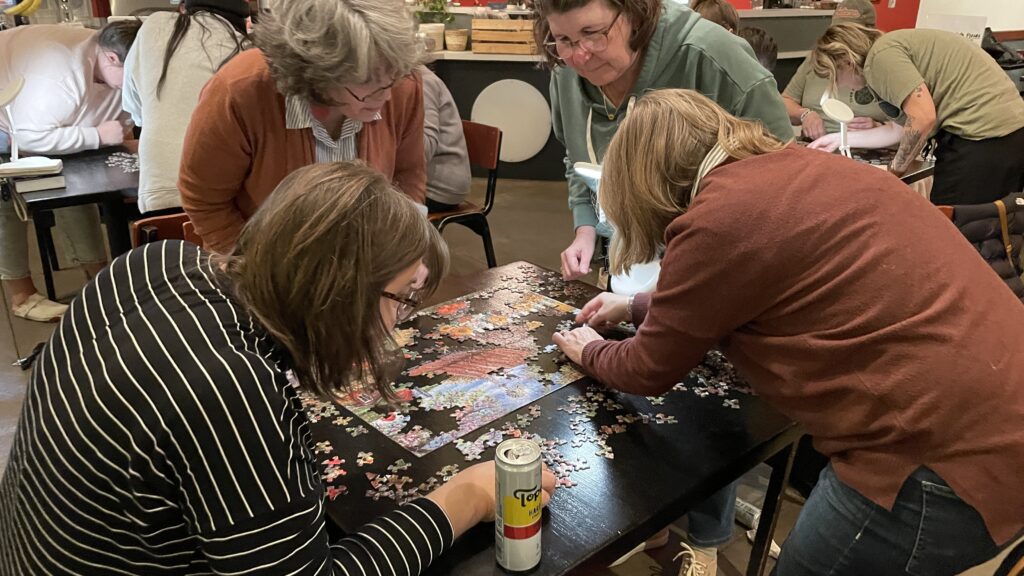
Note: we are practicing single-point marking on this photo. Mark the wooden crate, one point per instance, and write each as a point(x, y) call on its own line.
point(503, 37)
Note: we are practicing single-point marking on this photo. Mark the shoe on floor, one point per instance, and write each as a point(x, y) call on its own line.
point(697, 561)
point(773, 549)
point(39, 309)
point(657, 541)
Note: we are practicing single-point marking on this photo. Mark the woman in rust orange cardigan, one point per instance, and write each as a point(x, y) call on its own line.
point(330, 81)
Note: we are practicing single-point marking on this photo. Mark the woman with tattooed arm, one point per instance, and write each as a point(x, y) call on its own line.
point(939, 85)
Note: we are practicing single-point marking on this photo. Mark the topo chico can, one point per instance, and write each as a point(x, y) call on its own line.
point(517, 467)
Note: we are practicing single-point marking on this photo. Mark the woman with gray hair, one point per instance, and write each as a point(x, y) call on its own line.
point(331, 81)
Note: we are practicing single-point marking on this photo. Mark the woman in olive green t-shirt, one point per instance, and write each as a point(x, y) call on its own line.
point(944, 86)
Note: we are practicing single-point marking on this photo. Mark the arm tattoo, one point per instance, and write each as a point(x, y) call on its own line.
point(911, 144)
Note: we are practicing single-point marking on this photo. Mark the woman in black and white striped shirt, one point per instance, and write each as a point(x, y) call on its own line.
point(160, 434)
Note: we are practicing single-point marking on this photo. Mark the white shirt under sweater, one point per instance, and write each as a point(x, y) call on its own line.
point(164, 120)
point(160, 435)
point(61, 104)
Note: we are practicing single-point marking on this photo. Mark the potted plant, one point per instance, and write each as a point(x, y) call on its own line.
point(434, 12)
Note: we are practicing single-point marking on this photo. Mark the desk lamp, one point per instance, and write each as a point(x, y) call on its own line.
point(31, 166)
point(838, 111)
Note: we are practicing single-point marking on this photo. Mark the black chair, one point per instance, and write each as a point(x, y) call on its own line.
point(484, 146)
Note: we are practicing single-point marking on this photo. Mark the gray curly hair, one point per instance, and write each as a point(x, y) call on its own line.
point(315, 46)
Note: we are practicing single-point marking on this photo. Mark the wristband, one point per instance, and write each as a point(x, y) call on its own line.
point(804, 114)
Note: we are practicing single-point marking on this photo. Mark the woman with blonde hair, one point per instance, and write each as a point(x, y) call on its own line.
point(164, 405)
point(839, 295)
point(331, 81)
point(937, 84)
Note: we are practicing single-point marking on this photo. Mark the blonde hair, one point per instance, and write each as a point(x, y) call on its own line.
point(316, 46)
point(843, 45)
point(652, 162)
point(311, 264)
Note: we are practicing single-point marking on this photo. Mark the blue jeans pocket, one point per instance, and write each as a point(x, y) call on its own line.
point(944, 517)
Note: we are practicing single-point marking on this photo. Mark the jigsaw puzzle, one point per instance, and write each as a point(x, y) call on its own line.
point(471, 361)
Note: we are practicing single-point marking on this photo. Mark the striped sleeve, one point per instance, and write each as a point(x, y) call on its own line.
point(292, 539)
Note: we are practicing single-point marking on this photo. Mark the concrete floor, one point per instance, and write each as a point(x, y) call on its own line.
point(530, 222)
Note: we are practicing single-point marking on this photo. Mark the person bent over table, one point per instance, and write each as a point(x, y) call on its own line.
point(331, 81)
point(850, 304)
point(71, 102)
point(160, 433)
point(945, 87)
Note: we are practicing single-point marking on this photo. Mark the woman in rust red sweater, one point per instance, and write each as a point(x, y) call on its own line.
point(850, 304)
point(331, 81)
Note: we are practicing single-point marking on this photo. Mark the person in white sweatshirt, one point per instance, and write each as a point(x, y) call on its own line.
point(71, 102)
point(172, 59)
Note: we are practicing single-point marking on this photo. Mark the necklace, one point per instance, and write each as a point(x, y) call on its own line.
point(609, 113)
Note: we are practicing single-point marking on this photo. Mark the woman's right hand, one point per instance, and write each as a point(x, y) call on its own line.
point(576, 258)
point(111, 133)
point(606, 309)
point(828, 143)
point(813, 125)
point(468, 498)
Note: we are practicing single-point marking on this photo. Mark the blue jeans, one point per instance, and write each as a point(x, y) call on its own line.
point(930, 532)
point(709, 525)
point(5, 142)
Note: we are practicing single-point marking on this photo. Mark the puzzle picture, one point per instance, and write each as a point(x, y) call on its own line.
point(469, 362)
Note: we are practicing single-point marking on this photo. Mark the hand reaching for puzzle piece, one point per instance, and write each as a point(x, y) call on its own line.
point(605, 310)
point(572, 343)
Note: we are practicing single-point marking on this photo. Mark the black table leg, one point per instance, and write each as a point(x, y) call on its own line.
point(781, 464)
point(115, 214)
point(42, 221)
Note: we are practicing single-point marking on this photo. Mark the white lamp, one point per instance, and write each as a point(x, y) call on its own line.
point(31, 166)
point(838, 111)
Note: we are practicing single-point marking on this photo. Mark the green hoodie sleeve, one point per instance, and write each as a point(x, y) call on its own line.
point(725, 70)
point(580, 199)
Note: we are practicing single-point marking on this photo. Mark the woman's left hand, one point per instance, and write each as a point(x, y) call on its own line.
point(862, 123)
point(572, 343)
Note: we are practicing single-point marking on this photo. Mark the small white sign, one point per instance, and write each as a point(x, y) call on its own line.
point(970, 27)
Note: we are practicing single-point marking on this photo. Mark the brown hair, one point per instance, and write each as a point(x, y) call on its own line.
point(652, 162)
point(118, 37)
point(718, 11)
point(843, 45)
point(642, 14)
point(311, 264)
point(764, 46)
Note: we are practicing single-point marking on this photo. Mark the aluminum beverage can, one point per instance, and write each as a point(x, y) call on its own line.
point(747, 514)
point(517, 471)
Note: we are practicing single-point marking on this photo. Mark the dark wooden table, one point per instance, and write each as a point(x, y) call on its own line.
point(657, 474)
point(919, 168)
point(88, 180)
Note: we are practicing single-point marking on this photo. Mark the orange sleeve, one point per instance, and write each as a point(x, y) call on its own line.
point(410, 163)
point(215, 161)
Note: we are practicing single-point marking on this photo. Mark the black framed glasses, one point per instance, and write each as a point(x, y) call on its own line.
point(376, 93)
point(591, 42)
point(406, 304)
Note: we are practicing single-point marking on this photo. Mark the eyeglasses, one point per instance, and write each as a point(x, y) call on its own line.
point(591, 42)
point(406, 304)
point(376, 93)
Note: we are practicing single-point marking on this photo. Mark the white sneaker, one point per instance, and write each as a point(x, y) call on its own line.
point(656, 541)
point(773, 550)
point(697, 561)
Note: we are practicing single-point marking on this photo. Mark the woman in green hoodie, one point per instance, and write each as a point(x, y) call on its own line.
point(605, 52)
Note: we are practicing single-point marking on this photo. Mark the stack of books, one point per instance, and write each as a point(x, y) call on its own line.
point(33, 174)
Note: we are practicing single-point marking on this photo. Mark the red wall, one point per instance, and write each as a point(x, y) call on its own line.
point(904, 15)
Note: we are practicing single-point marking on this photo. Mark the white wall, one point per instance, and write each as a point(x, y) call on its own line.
point(1001, 14)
